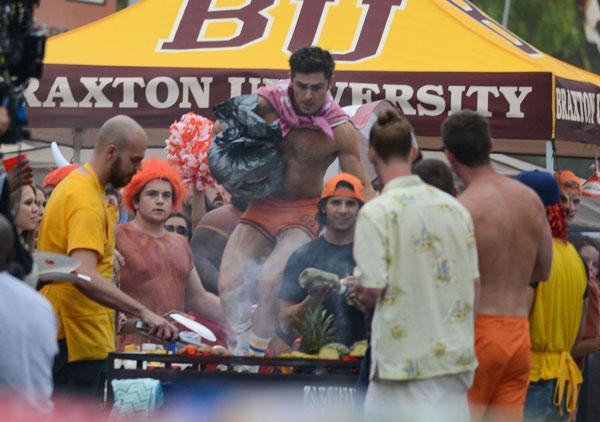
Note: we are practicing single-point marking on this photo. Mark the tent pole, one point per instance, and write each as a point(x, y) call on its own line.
point(78, 136)
point(506, 13)
point(550, 156)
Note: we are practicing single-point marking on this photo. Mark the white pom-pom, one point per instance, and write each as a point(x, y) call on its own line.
point(187, 148)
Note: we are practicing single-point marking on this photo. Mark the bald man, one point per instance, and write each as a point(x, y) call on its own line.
point(78, 222)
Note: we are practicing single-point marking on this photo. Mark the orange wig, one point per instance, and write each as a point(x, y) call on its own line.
point(56, 176)
point(153, 169)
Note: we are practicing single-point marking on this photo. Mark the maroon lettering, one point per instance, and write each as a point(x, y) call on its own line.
point(474, 13)
point(307, 24)
point(197, 13)
point(372, 31)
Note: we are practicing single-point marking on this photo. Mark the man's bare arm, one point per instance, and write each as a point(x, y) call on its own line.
point(368, 296)
point(348, 140)
point(216, 129)
point(201, 301)
point(198, 206)
point(4, 120)
point(106, 293)
point(543, 262)
point(586, 346)
point(290, 312)
point(578, 346)
point(477, 288)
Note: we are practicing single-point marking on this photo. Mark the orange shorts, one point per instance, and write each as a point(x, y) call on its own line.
point(271, 216)
point(503, 349)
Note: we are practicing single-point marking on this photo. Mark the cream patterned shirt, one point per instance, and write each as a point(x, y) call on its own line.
point(418, 243)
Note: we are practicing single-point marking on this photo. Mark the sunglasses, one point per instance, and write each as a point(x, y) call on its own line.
point(182, 230)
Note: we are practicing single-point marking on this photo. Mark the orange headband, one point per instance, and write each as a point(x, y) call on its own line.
point(569, 182)
point(153, 169)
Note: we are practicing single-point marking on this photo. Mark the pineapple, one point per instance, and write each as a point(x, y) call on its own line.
point(359, 348)
point(315, 327)
point(339, 348)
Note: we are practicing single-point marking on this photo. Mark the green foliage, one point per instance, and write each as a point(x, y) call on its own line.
point(553, 26)
point(122, 4)
point(315, 326)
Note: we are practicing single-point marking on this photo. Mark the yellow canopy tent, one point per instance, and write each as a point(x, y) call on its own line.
point(161, 58)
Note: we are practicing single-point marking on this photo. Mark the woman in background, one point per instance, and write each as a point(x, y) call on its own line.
point(585, 351)
point(40, 201)
point(26, 212)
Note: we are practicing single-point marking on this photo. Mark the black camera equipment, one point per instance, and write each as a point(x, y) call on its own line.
point(21, 55)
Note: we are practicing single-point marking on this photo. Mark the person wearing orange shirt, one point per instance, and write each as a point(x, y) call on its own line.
point(158, 266)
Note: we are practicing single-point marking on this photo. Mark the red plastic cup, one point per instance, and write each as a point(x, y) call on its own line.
point(13, 161)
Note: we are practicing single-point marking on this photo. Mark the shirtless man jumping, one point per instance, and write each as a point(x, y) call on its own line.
point(315, 132)
point(514, 245)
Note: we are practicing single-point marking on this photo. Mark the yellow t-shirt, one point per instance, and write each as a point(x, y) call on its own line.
point(78, 217)
point(554, 322)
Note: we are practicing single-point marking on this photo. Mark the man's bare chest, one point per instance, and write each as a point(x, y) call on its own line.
point(308, 145)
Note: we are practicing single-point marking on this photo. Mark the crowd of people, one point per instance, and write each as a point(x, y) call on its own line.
point(473, 298)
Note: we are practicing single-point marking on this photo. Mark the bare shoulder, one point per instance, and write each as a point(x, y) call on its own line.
point(525, 193)
point(346, 137)
point(216, 128)
point(265, 110)
point(488, 197)
point(470, 199)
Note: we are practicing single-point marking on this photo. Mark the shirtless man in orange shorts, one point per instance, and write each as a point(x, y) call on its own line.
point(315, 133)
point(514, 245)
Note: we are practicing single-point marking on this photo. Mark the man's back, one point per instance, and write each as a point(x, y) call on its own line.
point(29, 331)
point(510, 228)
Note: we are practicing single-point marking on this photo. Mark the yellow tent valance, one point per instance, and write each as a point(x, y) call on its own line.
point(161, 58)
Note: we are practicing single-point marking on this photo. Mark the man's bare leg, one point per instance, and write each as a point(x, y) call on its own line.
point(269, 283)
point(246, 250)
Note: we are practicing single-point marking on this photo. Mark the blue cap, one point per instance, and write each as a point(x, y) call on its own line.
point(543, 183)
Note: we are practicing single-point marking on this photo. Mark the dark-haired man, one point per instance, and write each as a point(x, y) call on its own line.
point(417, 266)
point(436, 173)
point(340, 202)
point(514, 245)
point(315, 132)
point(180, 224)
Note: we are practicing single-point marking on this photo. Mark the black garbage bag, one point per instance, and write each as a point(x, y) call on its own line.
point(244, 156)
